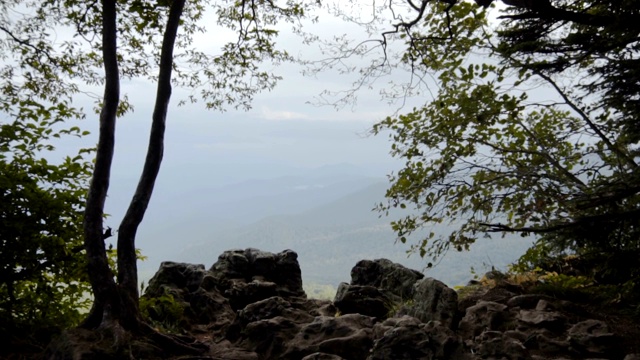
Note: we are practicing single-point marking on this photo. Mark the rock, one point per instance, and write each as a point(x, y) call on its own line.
point(269, 337)
point(175, 276)
point(544, 343)
point(495, 275)
point(282, 269)
point(242, 293)
point(408, 339)
point(347, 336)
point(183, 283)
point(593, 337)
point(322, 356)
point(211, 309)
point(225, 350)
point(527, 301)
point(494, 345)
point(432, 301)
point(485, 315)
point(268, 309)
point(387, 275)
point(247, 276)
point(251, 306)
point(550, 320)
point(363, 299)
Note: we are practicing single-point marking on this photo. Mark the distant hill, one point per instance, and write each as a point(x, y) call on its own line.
point(184, 217)
point(332, 237)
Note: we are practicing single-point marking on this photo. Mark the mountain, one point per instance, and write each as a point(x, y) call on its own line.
point(332, 237)
point(180, 218)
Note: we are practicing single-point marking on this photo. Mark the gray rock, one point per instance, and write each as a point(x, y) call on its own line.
point(485, 315)
point(494, 345)
point(362, 299)
point(408, 339)
point(225, 350)
point(268, 309)
point(348, 336)
point(432, 301)
point(322, 356)
point(209, 308)
point(387, 275)
point(551, 320)
point(527, 301)
point(174, 275)
point(593, 337)
point(247, 276)
point(268, 338)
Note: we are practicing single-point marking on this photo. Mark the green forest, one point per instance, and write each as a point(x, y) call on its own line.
point(488, 153)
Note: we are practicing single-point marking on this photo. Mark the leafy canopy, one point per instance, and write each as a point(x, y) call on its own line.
point(530, 129)
point(43, 284)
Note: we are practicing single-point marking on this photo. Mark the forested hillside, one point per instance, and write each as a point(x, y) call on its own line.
point(331, 237)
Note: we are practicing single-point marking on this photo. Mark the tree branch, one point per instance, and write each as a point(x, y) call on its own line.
point(587, 120)
point(542, 9)
point(581, 221)
point(26, 43)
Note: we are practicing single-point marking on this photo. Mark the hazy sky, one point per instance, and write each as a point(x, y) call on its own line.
point(282, 132)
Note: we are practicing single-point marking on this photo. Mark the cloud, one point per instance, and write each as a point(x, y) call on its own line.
point(235, 146)
point(279, 115)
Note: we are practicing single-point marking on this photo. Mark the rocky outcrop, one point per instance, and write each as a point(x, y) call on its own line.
point(247, 276)
point(386, 275)
point(432, 300)
point(250, 305)
point(365, 300)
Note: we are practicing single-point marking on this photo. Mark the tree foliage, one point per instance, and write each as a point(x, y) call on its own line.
point(43, 275)
point(44, 282)
point(531, 127)
point(62, 48)
point(115, 41)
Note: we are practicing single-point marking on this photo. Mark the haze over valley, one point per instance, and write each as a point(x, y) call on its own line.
point(325, 214)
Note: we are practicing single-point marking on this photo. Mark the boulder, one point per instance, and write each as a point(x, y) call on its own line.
point(251, 306)
point(269, 309)
point(268, 338)
point(593, 337)
point(387, 275)
point(494, 345)
point(226, 350)
point(348, 336)
point(183, 282)
point(247, 276)
point(211, 309)
point(174, 275)
point(432, 301)
point(550, 320)
point(527, 301)
point(362, 299)
point(407, 338)
point(485, 315)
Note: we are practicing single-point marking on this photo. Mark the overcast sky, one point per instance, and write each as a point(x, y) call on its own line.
point(283, 131)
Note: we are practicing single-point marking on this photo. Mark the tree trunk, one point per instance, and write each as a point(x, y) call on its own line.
point(100, 275)
point(117, 303)
point(127, 266)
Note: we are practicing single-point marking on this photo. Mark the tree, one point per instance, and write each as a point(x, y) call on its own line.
point(126, 30)
point(112, 41)
point(43, 282)
point(489, 151)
